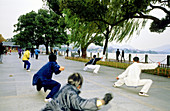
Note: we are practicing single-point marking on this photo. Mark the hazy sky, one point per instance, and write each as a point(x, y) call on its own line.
point(10, 10)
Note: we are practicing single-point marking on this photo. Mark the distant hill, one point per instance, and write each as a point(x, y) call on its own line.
point(163, 49)
point(129, 49)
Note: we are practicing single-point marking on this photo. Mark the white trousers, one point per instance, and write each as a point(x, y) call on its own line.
point(93, 67)
point(146, 83)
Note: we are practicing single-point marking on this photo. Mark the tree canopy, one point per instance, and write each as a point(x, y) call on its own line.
point(39, 28)
point(116, 19)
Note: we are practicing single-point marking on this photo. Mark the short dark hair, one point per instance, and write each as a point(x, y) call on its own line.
point(136, 59)
point(52, 57)
point(94, 56)
point(75, 79)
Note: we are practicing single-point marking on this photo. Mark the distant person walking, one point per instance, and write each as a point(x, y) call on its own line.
point(43, 78)
point(67, 51)
point(10, 51)
point(36, 53)
point(20, 52)
point(2, 48)
point(78, 52)
point(56, 53)
point(122, 56)
point(32, 52)
point(25, 59)
point(117, 55)
point(92, 64)
point(131, 76)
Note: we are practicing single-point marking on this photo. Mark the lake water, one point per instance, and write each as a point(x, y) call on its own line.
point(151, 57)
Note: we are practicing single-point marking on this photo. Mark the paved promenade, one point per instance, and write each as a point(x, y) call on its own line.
point(18, 94)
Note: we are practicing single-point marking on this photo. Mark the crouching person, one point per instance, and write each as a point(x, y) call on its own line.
point(68, 99)
point(43, 78)
point(92, 64)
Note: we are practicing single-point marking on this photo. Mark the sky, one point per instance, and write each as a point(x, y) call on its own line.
point(10, 11)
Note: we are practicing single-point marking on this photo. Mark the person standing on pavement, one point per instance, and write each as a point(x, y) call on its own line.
point(32, 52)
point(67, 51)
point(36, 53)
point(19, 52)
point(131, 76)
point(43, 78)
point(117, 55)
point(2, 48)
point(123, 56)
point(25, 59)
point(56, 53)
point(68, 99)
point(78, 52)
point(92, 64)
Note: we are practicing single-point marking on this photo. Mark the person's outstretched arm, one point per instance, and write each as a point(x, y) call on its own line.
point(148, 66)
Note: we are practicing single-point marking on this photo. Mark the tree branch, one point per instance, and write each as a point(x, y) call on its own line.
point(159, 7)
point(146, 17)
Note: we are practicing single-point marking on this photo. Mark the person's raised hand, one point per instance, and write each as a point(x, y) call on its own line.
point(159, 63)
point(61, 68)
point(117, 78)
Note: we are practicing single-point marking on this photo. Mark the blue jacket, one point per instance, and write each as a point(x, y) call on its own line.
point(93, 61)
point(68, 99)
point(37, 51)
point(46, 72)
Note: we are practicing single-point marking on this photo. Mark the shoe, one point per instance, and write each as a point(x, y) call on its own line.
point(48, 100)
point(114, 86)
point(28, 70)
point(143, 94)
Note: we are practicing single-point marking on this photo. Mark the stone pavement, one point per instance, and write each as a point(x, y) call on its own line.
point(18, 94)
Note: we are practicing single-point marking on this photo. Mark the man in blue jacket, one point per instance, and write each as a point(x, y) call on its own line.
point(68, 99)
point(43, 78)
point(36, 53)
point(92, 64)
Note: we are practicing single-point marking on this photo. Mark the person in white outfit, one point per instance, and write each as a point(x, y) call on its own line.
point(131, 76)
point(92, 64)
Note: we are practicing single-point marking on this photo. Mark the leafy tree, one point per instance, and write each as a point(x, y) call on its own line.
point(39, 28)
point(158, 24)
point(82, 34)
point(106, 14)
point(25, 27)
point(117, 19)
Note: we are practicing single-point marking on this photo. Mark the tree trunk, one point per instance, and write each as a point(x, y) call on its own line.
point(106, 43)
point(83, 52)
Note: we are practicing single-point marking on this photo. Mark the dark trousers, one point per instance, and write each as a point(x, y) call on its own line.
point(27, 63)
point(19, 55)
point(32, 55)
point(51, 85)
point(36, 56)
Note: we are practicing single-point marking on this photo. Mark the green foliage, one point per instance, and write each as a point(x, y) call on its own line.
point(82, 33)
point(39, 28)
point(113, 19)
